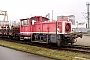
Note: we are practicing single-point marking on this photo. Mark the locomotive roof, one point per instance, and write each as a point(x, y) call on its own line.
point(24, 19)
point(40, 16)
point(35, 17)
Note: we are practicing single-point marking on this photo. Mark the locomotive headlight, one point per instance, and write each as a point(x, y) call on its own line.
point(73, 31)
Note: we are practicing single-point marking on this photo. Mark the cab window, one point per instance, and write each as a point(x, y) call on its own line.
point(34, 19)
point(45, 20)
point(25, 22)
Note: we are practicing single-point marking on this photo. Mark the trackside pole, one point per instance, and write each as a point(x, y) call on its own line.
point(88, 16)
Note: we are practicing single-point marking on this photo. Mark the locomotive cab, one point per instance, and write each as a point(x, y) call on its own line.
point(24, 29)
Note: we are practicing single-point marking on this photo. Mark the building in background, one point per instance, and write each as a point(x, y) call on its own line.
point(71, 18)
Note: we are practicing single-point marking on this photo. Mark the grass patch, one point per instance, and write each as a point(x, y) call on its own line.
point(64, 55)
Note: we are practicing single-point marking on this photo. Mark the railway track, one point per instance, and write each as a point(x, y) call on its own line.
point(77, 50)
point(74, 48)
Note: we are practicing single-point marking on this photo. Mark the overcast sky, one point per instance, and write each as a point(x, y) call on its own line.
point(18, 9)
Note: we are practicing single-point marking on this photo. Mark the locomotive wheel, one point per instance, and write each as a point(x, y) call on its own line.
point(59, 42)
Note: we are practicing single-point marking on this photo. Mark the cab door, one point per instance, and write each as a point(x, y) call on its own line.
point(33, 24)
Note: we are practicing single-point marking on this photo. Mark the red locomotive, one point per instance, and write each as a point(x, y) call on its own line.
point(41, 29)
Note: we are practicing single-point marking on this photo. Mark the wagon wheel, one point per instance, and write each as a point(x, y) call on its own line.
point(59, 42)
point(10, 37)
